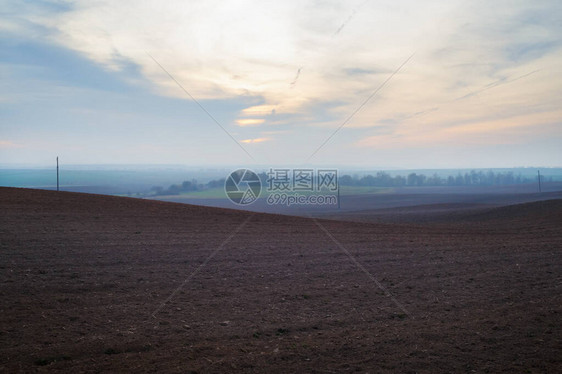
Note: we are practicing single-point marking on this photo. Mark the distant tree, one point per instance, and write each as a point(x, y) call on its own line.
point(510, 179)
point(434, 180)
point(158, 190)
point(186, 186)
point(174, 189)
point(217, 183)
point(412, 179)
point(490, 177)
point(399, 181)
point(367, 180)
point(346, 180)
point(383, 179)
point(473, 177)
point(459, 180)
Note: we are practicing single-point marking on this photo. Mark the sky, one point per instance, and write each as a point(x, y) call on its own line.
point(390, 84)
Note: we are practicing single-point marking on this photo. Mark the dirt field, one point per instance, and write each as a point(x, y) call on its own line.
point(92, 283)
point(384, 207)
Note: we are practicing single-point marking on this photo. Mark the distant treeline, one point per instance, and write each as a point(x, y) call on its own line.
point(381, 179)
point(472, 178)
point(176, 189)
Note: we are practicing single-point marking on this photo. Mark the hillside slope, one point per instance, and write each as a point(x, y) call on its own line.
point(97, 283)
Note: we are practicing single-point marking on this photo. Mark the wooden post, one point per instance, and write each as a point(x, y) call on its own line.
point(57, 173)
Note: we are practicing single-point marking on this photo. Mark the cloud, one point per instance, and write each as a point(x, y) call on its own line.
point(212, 49)
point(516, 128)
point(255, 140)
point(260, 110)
point(311, 64)
point(250, 122)
point(9, 144)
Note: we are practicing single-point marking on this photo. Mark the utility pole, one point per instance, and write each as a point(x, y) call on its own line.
point(539, 173)
point(57, 173)
point(339, 205)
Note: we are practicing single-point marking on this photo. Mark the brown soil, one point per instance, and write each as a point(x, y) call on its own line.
point(92, 283)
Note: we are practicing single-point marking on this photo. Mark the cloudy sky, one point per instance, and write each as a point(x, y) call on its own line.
point(413, 84)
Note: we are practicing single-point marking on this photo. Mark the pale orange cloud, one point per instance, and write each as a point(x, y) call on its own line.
point(255, 140)
point(250, 122)
point(9, 144)
point(507, 130)
point(260, 110)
